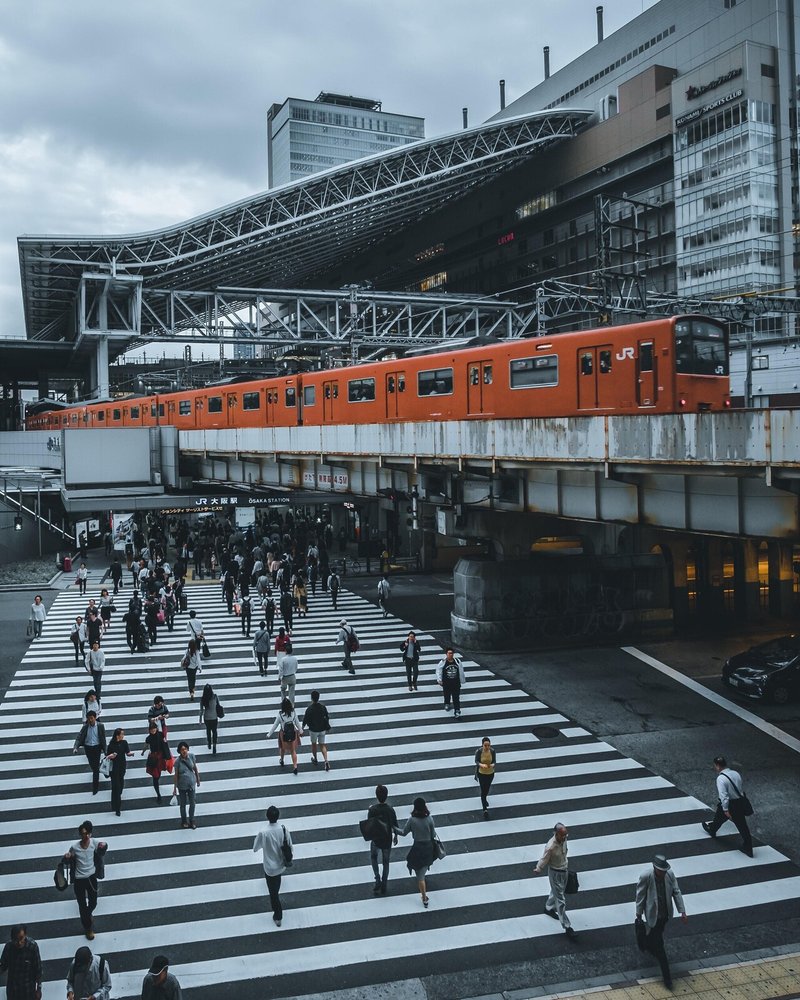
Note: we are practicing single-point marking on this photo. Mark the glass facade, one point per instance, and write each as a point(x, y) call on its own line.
point(726, 201)
point(308, 136)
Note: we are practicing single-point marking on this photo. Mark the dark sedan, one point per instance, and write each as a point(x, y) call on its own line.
point(769, 670)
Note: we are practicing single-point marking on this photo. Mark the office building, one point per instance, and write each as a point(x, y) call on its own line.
point(304, 137)
point(693, 144)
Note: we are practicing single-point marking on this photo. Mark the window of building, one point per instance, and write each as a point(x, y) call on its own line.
point(435, 382)
point(251, 401)
point(532, 373)
point(215, 404)
point(185, 407)
point(767, 70)
point(663, 111)
point(309, 395)
point(361, 390)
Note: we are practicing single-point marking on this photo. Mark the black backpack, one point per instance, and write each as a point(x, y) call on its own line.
point(289, 732)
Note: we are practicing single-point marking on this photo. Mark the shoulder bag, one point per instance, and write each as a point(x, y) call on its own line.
point(572, 882)
point(439, 852)
point(747, 808)
point(286, 849)
point(220, 710)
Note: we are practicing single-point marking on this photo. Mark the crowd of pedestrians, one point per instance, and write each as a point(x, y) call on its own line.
point(265, 575)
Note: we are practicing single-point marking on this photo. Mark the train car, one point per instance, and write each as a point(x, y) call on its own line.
point(665, 365)
point(660, 366)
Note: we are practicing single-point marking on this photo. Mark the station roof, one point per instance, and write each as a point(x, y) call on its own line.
point(287, 236)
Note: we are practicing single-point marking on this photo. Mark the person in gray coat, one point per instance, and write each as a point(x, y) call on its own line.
point(261, 644)
point(88, 976)
point(656, 892)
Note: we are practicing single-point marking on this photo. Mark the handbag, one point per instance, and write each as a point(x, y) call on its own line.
point(572, 882)
point(220, 711)
point(439, 852)
point(367, 827)
point(286, 849)
point(105, 766)
point(29, 629)
point(206, 650)
point(640, 930)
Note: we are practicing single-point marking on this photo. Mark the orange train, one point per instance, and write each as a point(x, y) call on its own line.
point(671, 365)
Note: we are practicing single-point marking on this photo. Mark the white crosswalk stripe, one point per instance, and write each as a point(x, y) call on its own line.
point(199, 895)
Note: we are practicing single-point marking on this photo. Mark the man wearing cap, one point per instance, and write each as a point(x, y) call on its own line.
point(159, 983)
point(554, 859)
point(655, 892)
point(88, 977)
point(345, 637)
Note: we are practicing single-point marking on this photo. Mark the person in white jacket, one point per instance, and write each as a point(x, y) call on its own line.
point(270, 842)
point(288, 728)
point(450, 678)
point(38, 615)
point(656, 892)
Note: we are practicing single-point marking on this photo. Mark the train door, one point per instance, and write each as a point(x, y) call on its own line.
point(330, 393)
point(171, 409)
point(480, 375)
point(271, 396)
point(395, 384)
point(646, 382)
point(595, 378)
point(231, 407)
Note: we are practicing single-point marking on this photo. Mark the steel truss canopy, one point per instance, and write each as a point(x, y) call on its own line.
point(282, 238)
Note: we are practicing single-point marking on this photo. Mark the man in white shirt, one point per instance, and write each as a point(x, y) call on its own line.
point(554, 859)
point(730, 793)
point(270, 842)
point(287, 673)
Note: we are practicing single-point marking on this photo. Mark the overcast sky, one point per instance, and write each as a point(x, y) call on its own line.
point(124, 117)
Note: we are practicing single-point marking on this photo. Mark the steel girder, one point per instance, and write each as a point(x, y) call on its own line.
point(287, 236)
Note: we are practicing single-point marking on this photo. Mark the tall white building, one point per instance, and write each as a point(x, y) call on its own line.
point(304, 137)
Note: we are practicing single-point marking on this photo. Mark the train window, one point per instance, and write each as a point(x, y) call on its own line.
point(215, 404)
point(401, 383)
point(487, 374)
point(645, 357)
point(116, 414)
point(309, 395)
point(152, 409)
point(74, 418)
point(361, 390)
point(101, 415)
point(531, 373)
point(436, 382)
point(390, 384)
point(327, 392)
point(474, 375)
point(161, 409)
point(232, 400)
point(251, 401)
point(291, 396)
point(65, 421)
point(604, 362)
point(134, 413)
point(185, 407)
point(700, 348)
point(336, 390)
point(587, 363)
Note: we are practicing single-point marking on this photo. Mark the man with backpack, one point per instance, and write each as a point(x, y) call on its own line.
point(384, 834)
point(450, 677)
point(349, 640)
point(88, 976)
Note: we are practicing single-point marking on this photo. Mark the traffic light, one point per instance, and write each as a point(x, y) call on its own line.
point(18, 522)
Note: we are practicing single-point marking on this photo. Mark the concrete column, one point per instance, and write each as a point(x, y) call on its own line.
point(101, 368)
point(781, 599)
point(749, 586)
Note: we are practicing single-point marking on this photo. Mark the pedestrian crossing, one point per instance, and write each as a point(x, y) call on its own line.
point(199, 896)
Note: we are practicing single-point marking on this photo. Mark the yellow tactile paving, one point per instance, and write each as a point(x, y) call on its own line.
point(769, 979)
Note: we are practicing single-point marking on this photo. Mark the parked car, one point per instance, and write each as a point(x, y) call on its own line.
point(769, 670)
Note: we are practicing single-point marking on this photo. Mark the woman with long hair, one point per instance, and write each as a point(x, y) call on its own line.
point(159, 756)
point(421, 856)
point(118, 751)
point(288, 728)
point(91, 703)
point(209, 704)
point(191, 664)
point(106, 607)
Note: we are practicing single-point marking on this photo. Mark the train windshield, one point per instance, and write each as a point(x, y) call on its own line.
point(701, 347)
